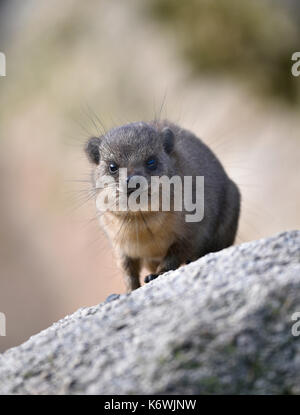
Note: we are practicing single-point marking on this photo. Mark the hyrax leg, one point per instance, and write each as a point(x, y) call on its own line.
point(131, 268)
point(173, 259)
point(151, 265)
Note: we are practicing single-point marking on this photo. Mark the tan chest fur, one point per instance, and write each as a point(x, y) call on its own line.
point(146, 235)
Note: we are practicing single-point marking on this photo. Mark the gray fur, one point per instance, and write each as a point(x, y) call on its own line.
point(178, 152)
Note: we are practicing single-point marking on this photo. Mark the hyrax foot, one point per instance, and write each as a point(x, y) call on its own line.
point(150, 277)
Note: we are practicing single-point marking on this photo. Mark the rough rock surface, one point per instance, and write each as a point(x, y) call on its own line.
point(222, 324)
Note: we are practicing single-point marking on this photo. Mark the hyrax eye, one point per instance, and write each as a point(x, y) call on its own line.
point(151, 163)
point(113, 167)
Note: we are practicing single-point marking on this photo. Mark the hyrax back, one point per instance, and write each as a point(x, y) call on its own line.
point(162, 240)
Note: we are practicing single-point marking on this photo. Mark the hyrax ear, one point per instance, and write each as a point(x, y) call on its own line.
point(168, 139)
point(92, 150)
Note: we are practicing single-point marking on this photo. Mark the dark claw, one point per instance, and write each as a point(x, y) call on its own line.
point(150, 277)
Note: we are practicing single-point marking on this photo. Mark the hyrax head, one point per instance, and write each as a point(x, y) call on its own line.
point(140, 148)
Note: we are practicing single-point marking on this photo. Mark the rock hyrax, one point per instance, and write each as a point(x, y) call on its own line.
point(162, 240)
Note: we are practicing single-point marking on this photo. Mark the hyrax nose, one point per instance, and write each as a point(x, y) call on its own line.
point(132, 181)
